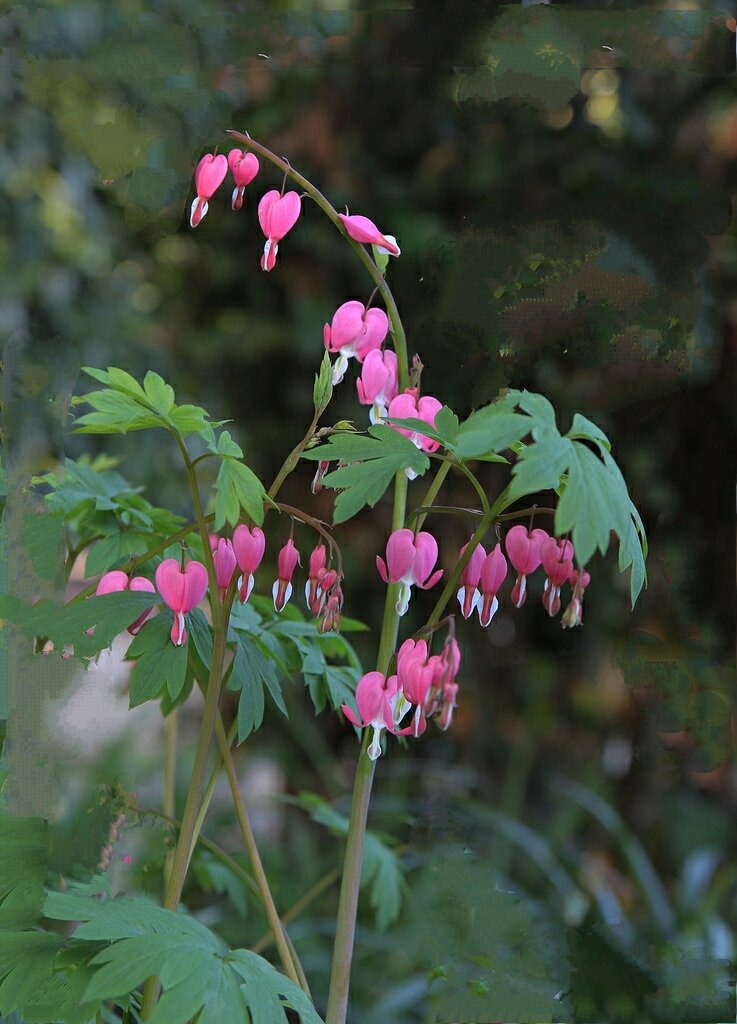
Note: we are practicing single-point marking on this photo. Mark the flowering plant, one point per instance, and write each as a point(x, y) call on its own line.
point(155, 572)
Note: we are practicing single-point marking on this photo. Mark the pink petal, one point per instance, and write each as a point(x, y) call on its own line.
point(195, 585)
point(112, 582)
point(493, 571)
point(364, 230)
point(210, 174)
point(264, 210)
point(374, 331)
point(523, 548)
point(249, 547)
point(170, 583)
point(381, 566)
point(243, 166)
point(347, 324)
point(142, 584)
point(370, 693)
point(351, 716)
point(427, 555)
point(287, 560)
point(283, 214)
point(403, 407)
point(400, 554)
point(472, 573)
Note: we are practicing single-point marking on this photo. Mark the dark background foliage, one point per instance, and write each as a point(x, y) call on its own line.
point(560, 180)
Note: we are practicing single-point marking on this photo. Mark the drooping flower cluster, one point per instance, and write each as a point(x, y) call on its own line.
point(527, 550)
point(424, 683)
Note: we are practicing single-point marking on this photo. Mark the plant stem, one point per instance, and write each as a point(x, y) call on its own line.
point(293, 458)
point(170, 780)
point(182, 852)
point(345, 929)
point(213, 847)
point(432, 492)
point(254, 856)
point(305, 899)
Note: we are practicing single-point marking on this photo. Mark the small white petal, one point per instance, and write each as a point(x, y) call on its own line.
point(405, 593)
point(374, 750)
point(339, 367)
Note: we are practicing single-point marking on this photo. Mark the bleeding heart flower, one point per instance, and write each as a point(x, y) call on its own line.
point(573, 615)
point(225, 561)
point(277, 214)
point(364, 230)
point(377, 385)
point(354, 332)
point(406, 406)
point(523, 551)
point(182, 590)
point(557, 561)
point(286, 562)
point(469, 596)
point(248, 546)
point(410, 560)
point(314, 595)
point(244, 167)
point(208, 177)
point(493, 574)
point(375, 699)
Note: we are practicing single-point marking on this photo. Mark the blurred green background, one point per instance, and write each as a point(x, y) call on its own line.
point(560, 181)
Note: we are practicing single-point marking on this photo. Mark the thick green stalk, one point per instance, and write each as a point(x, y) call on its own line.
point(345, 930)
point(345, 927)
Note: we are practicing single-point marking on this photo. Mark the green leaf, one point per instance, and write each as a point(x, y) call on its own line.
point(41, 981)
point(540, 466)
point(114, 413)
point(322, 391)
point(114, 551)
point(201, 634)
point(160, 665)
point(253, 669)
point(374, 461)
point(199, 976)
point(81, 483)
point(226, 446)
point(23, 856)
point(159, 393)
point(447, 425)
point(108, 614)
point(583, 428)
point(490, 430)
point(192, 419)
point(594, 500)
point(237, 487)
point(462, 928)
point(42, 538)
point(536, 406)
point(118, 380)
point(590, 507)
